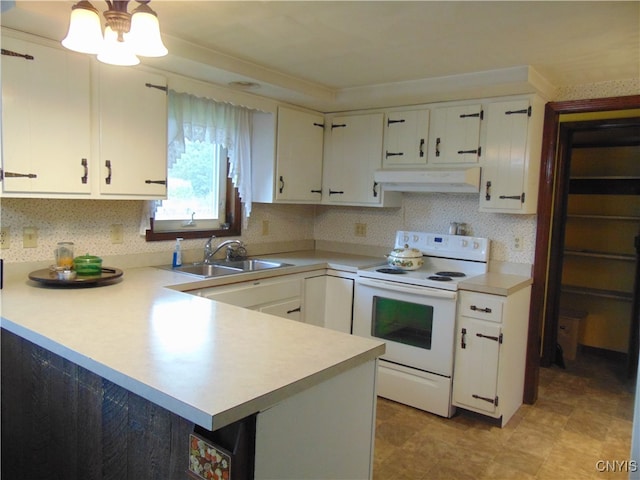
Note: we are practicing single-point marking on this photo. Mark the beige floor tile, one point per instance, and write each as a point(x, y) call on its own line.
point(581, 417)
point(499, 471)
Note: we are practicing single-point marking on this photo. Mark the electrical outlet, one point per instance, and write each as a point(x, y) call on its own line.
point(517, 243)
point(5, 238)
point(116, 233)
point(265, 227)
point(361, 230)
point(29, 237)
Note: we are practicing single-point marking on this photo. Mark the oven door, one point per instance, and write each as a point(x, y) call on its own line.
point(416, 323)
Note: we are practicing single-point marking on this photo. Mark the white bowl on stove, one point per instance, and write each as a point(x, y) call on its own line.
point(405, 258)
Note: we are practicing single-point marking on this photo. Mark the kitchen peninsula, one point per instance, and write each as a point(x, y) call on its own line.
point(108, 382)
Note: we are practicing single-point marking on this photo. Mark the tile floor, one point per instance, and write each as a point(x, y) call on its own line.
point(583, 414)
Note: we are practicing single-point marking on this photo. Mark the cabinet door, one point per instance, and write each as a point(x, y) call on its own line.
point(455, 135)
point(405, 137)
point(328, 302)
point(355, 154)
point(505, 157)
point(475, 376)
point(299, 155)
point(339, 304)
point(45, 119)
point(133, 132)
point(290, 309)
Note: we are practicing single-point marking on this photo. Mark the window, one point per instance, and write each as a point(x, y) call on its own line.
point(196, 190)
point(209, 170)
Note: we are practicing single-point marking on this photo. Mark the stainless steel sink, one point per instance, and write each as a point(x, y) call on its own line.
point(224, 267)
point(251, 265)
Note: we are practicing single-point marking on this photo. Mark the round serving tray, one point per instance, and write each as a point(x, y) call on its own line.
point(47, 277)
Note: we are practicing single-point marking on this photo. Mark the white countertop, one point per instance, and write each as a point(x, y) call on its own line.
point(496, 283)
point(208, 362)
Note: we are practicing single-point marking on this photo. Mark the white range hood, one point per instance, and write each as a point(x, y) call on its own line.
point(446, 180)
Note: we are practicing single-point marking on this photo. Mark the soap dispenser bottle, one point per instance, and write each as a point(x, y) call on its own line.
point(177, 253)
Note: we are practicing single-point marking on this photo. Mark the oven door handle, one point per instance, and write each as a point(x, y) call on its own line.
point(404, 288)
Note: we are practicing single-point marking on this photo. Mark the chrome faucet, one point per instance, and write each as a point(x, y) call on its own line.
point(209, 251)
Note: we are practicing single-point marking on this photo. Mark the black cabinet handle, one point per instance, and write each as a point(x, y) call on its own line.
point(389, 121)
point(18, 175)
point(294, 310)
point(107, 164)
point(393, 154)
point(487, 195)
point(375, 189)
point(513, 197)
point(158, 182)
point(478, 309)
point(421, 147)
point(462, 152)
point(336, 192)
point(85, 177)
point(438, 147)
point(472, 115)
point(317, 191)
point(463, 343)
point(338, 125)
point(281, 184)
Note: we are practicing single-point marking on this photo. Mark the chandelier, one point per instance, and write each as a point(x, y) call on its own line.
point(126, 35)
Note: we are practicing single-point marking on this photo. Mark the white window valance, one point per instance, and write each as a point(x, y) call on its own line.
point(203, 119)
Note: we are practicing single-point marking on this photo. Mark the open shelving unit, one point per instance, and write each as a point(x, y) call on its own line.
point(600, 260)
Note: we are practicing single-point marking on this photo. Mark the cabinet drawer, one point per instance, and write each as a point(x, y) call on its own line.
point(291, 309)
point(257, 293)
point(484, 307)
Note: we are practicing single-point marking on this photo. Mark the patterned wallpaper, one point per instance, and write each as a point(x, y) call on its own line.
point(88, 223)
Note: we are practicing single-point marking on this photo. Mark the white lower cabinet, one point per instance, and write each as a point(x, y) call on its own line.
point(490, 356)
point(328, 300)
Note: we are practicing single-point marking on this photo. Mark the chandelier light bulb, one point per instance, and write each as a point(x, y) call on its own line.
point(145, 33)
point(85, 34)
point(115, 52)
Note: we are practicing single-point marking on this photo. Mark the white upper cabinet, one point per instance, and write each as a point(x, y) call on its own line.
point(45, 120)
point(299, 147)
point(454, 135)
point(133, 132)
point(353, 154)
point(405, 138)
point(511, 158)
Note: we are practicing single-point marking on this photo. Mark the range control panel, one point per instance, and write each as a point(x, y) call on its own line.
point(444, 245)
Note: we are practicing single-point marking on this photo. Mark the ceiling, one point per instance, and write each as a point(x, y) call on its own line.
point(329, 55)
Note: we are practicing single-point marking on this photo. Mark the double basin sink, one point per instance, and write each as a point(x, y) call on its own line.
point(225, 267)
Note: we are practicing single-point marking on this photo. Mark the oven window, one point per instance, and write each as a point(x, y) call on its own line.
point(402, 322)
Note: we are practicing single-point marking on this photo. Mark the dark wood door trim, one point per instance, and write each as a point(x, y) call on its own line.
point(548, 188)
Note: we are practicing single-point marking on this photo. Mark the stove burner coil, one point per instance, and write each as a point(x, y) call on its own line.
point(390, 270)
point(440, 278)
point(451, 274)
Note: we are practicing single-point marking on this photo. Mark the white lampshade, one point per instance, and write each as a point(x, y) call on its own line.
point(85, 34)
point(145, 35)
point(117, 53)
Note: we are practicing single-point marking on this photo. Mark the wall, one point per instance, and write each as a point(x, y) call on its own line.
point(88, 222)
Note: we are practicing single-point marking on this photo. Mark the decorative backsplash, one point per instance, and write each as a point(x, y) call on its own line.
point(88, 224)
